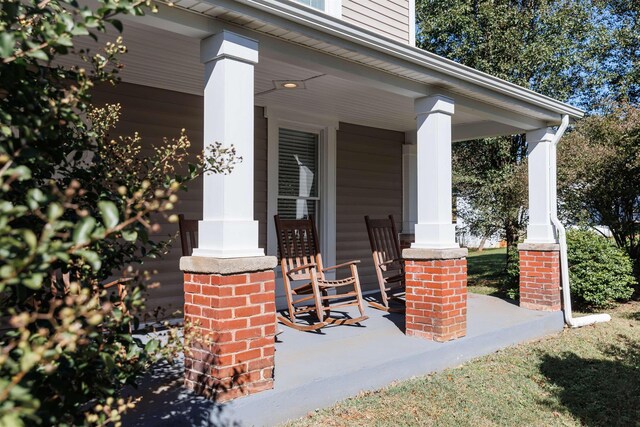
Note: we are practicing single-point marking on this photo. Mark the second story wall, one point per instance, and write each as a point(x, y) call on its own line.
point(389, 18)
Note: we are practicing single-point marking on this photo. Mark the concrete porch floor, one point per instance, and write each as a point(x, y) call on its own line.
point(317, 370)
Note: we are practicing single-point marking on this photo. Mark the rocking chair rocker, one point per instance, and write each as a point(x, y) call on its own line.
point(301, 260)
point(387, 260)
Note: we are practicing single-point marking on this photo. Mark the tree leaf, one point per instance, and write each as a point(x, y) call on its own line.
point(117, 24)
point(54, 211)
point(7, 43)
point(83, 230)
point(34, 281)
point(92, 258)
point(129, 235)
point(109, 212)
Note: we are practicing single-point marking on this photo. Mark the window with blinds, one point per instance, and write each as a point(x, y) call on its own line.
point(297, 174)
point(316, 4)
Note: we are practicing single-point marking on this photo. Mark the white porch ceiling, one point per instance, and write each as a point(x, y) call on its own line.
point(301, 26)
point(159, 58)
point(349, 101)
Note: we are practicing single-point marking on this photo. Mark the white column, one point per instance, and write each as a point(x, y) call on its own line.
point(228, 229)
point(409, 184)
point(435, 228)
point(540, 229)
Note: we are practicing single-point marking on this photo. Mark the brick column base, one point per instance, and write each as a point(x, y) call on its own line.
point(540, 276)
point(436, 281)
point(230, 325)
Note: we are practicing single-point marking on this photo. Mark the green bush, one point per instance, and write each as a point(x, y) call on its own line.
point(511, 282)
point(600, 272)
point(76, 203)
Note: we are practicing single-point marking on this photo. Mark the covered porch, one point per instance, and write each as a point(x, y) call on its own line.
point(317, 370)
point(380, 118)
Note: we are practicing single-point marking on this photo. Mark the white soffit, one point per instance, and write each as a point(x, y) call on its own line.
point(295, 24)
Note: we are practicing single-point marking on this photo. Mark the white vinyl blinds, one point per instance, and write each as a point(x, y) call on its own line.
point(297, 174)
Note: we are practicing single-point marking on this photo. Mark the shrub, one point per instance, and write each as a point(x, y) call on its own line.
point(600, 273)
point(511, 282)
point(75, 203)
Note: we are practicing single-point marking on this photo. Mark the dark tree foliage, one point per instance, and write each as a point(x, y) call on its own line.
point(555, 47)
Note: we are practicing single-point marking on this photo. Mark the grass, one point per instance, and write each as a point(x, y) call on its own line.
point(588, 376)
point(486, 270)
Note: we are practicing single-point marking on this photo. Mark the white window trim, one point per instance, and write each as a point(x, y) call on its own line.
point(331, 7)
point(326, 128)
point(334, 8)
point(412, 23)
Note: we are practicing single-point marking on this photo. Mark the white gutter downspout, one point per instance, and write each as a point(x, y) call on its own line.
point(562, 239)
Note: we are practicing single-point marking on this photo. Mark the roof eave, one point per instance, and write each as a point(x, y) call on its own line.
point(349, 32)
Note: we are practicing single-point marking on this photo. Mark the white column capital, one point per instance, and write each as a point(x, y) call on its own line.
point(540, 135)
point(226, 44)
point(434, 104)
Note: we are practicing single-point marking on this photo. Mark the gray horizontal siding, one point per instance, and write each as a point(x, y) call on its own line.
point(386, 17)
point(157, 113)
point(369, 182)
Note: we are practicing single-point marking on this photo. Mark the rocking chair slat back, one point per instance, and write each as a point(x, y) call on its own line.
point(188, 234)
point(383, 238)
point(387, 258)
point(298, 245)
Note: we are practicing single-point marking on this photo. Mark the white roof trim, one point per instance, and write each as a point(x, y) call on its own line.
point(349, 32)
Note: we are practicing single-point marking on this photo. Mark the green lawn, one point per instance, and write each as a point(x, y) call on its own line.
point(588, 376)
point(486, 270)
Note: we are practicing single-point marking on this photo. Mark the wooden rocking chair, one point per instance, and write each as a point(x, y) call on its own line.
point(301, 260)
point(387, 259)
point(188, 234)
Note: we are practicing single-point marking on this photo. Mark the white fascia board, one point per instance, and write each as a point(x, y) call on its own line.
point(294, 14)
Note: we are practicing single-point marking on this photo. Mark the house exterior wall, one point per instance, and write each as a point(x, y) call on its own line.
point(389, 18)
point(369, 178)
point(369, 182)
point(157, 113)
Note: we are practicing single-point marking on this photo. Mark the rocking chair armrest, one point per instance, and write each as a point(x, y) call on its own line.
point(391, 261)
point(302, 267)
point(120, 281)
point(344, 264)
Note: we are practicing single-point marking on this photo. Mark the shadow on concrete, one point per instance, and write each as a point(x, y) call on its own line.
point(308, 319)
point(598, 392)
point(164, 399)
point(398, 319)
point(166, 403)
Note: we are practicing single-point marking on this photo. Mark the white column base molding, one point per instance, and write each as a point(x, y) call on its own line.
point(435, 236)
point(540, 233)
point(228, 239)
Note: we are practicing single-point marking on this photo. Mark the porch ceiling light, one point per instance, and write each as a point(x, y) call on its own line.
point(289, 84)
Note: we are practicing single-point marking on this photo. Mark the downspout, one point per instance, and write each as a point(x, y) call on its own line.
point(562, 239)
